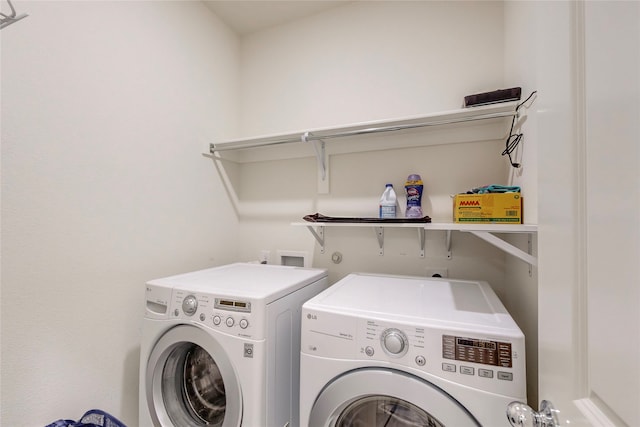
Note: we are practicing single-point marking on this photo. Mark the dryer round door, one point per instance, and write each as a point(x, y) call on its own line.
point(377, 397)
point(191, 382)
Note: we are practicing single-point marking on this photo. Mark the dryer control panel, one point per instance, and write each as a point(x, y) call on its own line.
point(484, 358)
point(486, 352)
point(476, 358)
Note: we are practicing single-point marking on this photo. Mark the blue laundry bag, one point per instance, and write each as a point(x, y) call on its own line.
point(92, 418)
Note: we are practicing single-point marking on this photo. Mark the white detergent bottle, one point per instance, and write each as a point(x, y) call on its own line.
point(388, 202)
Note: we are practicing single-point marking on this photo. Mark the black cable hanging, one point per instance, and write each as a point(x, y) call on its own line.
point(514, 139)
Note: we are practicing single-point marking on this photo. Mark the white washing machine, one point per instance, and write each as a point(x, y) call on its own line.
point(399, 351)
point(220, 347)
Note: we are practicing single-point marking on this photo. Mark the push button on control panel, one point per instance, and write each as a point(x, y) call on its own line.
point(244, 323)
point(217, 320)
point(448, 367)
point(467, 370)
point(230, 322)
point(485, 373)
point(505, 376)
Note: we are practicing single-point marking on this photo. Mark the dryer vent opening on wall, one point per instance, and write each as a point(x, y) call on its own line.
point(294, 258)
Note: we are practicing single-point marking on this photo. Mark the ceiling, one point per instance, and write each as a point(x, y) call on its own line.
point(247, 16)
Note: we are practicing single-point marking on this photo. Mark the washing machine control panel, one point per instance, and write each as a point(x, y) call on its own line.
point(228, 315)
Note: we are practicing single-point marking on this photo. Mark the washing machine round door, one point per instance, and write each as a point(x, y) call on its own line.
point(377, 397)
point(191, 382)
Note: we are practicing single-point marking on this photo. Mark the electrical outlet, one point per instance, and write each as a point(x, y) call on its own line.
point(437, 272)
point(264, 256)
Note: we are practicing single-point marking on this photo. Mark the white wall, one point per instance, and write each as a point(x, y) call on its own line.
point(368, 61)
point(361, 62)
point(105, 107)
point(375, 60)
point(101, 189)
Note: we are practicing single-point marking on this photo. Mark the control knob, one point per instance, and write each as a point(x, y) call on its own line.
point(394, 342)
point(190, 305)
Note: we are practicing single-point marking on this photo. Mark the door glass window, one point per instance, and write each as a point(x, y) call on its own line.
point(385, 411)
point(192, 388)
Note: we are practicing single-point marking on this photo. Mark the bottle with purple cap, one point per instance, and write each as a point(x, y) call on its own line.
point(413, 187)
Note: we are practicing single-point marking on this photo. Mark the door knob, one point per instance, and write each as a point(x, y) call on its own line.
point(522, 415)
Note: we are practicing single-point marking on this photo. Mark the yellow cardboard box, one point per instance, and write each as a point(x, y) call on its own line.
point(488, 208)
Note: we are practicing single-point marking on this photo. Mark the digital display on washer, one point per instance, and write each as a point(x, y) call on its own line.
point(486, 352)
point(233, 305)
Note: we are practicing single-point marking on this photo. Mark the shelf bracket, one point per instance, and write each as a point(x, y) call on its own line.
point(323, 162)
point(448, 243)
point(380, 235)
point(505, 246)
point(6, 20)
point(319, 235)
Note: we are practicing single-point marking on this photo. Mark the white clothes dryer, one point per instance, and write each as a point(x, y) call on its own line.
point(399, 351)
point(220, 347)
